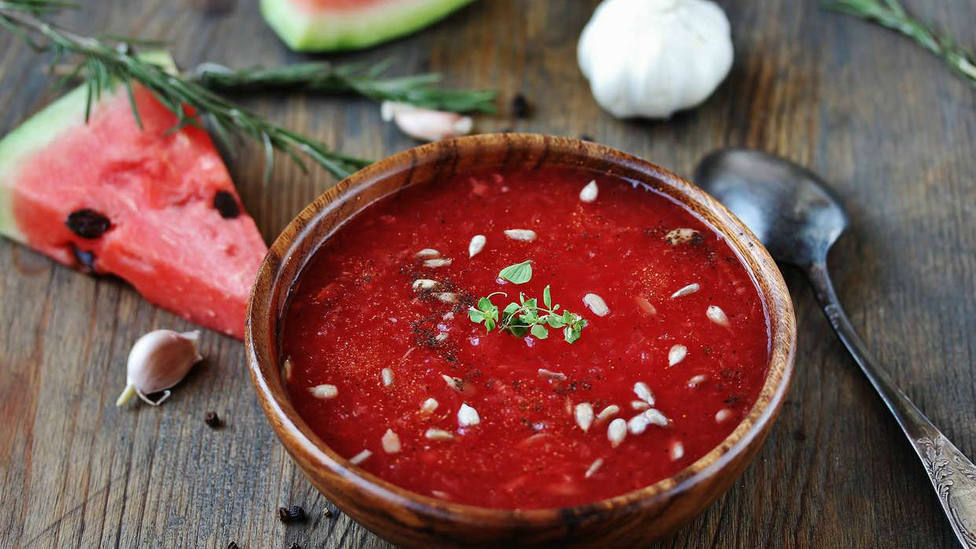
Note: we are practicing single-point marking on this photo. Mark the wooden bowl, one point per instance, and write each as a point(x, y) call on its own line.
point(415, 520)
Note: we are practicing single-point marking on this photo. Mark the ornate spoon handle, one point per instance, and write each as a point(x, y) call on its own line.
point(952, 474)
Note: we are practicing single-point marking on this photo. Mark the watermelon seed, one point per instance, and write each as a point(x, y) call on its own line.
point(226, 204)
point(85, 259)
point(88, 223)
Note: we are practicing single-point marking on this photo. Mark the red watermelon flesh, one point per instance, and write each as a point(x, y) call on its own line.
point(157, 188)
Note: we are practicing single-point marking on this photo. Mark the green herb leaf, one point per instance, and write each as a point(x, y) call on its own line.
point(519, 273)
point(526, 316)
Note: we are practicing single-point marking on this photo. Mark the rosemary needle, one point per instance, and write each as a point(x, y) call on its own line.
point(366, 80)
point(891, 14)
point(107, 61)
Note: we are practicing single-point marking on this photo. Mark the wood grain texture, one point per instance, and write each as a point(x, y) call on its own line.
point(887, 123)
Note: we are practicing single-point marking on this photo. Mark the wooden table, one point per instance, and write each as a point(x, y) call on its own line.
point(884, 121)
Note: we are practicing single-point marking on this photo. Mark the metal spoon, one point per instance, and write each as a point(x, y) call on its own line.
point(797, 218)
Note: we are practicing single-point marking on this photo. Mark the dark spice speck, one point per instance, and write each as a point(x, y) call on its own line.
point(233, 545)
point(294, 546)
point(226, 204)
point(87, 223)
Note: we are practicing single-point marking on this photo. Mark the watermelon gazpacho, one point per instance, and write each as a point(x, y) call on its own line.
point(325, 25)
point(153, 206)
point(524, 339)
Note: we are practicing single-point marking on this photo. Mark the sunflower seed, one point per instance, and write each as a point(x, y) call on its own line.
point(637, 424)
point(594, 467)
point(687, 290)
point(476, 245)
point(639, 405)
point(324, 391)
point(596, 304)
point(722, 415)
point(429, 406)
point(447, 297)
point(717, 315)
point(643, 392)
point(468, 416)
point(584, 415)
point(522, 235)
point(616, 432)
point(424, 284)
point(391, 442)
point(559, 376)
point(696, 380)
point(677, 354)
point(646, 306)
point(360, 457)
point(680, 236)
point(589, 192)
point(608, 412)
point(439, 262)
point(438, 434)
point(427, 253)
point(677, 450)
point(387, 375)
point(453, 382)
point(655, 417)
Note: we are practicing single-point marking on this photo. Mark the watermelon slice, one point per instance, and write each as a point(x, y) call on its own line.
point(328, 25)
point(152, 206)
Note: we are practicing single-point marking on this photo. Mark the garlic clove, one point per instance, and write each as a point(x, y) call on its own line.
point(158, 361)
point(426, 124)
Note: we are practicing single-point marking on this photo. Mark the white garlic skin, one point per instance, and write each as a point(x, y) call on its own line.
point(158, 361)
point(651, 58)
point(425, 124)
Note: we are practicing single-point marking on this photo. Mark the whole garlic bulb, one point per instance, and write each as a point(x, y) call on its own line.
point(654, 57)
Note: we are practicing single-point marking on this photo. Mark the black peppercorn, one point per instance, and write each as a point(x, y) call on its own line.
point(87, 223)
point(520, 107)
point(213, 420)
point(295, 513)
point(226, 204)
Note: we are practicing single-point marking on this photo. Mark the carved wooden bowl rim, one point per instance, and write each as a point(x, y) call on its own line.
point(292, 247)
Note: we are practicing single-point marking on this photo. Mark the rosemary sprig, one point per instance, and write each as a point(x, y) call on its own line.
point(107, 61)
point(891, 14)
point(358, 78)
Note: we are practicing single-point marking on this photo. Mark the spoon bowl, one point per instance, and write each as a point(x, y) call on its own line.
point(788, 207)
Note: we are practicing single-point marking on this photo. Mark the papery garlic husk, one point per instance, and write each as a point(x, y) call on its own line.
point(425, 124)
point(158, 361)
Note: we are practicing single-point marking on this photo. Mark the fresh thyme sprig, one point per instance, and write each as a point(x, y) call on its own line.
point(526, 316)
point(359, 78)
point(891, 14)
point(106, 61)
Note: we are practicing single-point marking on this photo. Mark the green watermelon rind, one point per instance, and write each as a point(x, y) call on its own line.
point(352, 29)
point(41, 129)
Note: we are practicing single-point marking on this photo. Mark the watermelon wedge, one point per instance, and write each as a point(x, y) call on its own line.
point(328, 25)
point(152, 206)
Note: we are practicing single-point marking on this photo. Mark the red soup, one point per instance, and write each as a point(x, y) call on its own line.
point(390, 361)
